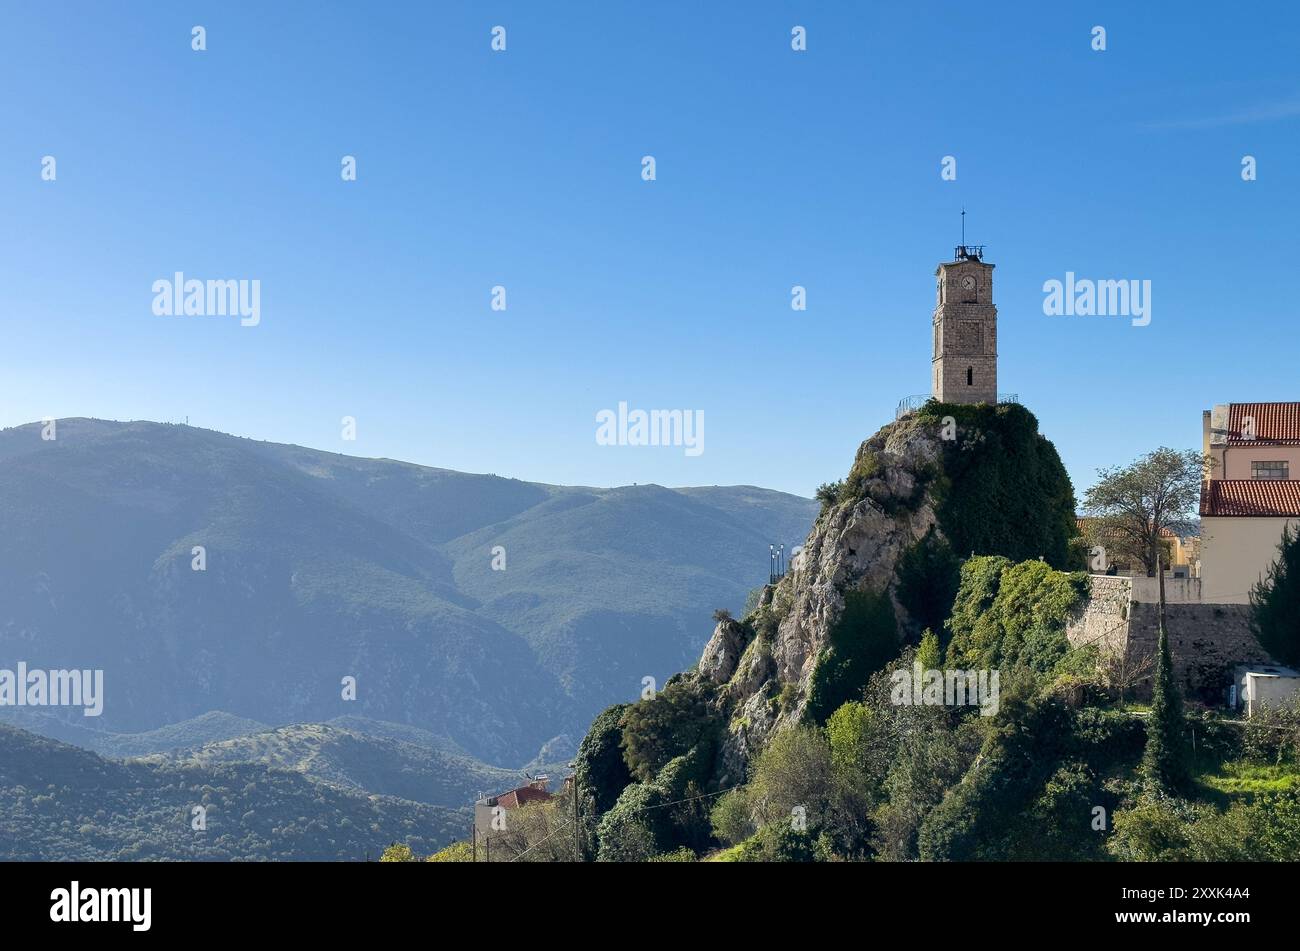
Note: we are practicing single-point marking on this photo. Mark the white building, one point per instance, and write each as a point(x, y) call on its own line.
point(1257, 686)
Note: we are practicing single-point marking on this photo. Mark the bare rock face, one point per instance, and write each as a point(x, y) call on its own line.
point(855, 545)
point(722, 652)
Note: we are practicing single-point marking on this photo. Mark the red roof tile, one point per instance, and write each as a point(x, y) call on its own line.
point(521, 796)
point(1277, 423)
point(1276, 497)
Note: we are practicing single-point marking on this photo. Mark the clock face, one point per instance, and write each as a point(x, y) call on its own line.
point(968, 282)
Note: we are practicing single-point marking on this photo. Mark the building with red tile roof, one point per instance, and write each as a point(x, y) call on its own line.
point(1250, 494)
point(1251, 498)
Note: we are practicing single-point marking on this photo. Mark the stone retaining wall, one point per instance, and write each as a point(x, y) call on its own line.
point(1205, 640)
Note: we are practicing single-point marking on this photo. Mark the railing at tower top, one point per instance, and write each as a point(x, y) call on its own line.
point(911, 404)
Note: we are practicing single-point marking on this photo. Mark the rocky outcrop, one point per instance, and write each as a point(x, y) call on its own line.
point(884, 509)
point(722, 652)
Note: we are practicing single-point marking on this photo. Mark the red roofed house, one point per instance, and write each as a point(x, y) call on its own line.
point(1251, 493)
point(489, 811)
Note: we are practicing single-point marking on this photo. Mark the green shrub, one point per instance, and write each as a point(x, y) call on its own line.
point(731, 818)
point(677, 719)
point(456, 852)
point(637, 828)
point(601, 771)
point(680, 855)
point(1155, 830)
point(1005, 614)
point(398, 852)
point(779, 842)
point(792, 771)
point(828, 494)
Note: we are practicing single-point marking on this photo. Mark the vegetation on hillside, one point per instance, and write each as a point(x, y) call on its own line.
point(62, 804)
point(1058, 768)
point(1002, 489)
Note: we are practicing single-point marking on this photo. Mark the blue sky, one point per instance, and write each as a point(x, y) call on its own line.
point(522, 168)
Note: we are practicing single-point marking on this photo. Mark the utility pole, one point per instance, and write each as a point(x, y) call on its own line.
point(474, 836)
point(1160, 573)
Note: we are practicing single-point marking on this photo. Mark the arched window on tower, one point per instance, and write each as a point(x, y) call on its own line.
point(970, 376)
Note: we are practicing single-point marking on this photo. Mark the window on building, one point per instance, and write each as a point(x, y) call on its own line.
point(1270, 470)
point(970, 381)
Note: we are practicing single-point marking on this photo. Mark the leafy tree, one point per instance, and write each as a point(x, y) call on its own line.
point(1275, 602)
point(1164, 762)
point(456, 852)
point(1136, 502)
point(731, 817)
point(793, 771)
point(929, 654)
point(660, 816)
point(677, 719)
point(599, 767)
point(397, 852)
point(858, 767)
point(635, 830)
point(979, 818)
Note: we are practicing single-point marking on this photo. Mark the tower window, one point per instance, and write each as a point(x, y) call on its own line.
point(970, 376)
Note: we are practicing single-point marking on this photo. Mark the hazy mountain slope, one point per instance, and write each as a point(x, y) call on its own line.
point(431, 505)
point(361, 762)
point(64, 803)
point(587, 577)
point(321, 566)
point(300, 590)
point(207, 728)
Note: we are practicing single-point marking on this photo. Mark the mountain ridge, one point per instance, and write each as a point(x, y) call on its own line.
point(321, 565)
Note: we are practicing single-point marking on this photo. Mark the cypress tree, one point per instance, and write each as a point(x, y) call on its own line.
point(1164, 763)
point(1275, 603)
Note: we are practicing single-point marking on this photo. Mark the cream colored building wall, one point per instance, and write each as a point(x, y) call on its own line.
point(1236, 553)
point(1236, 460)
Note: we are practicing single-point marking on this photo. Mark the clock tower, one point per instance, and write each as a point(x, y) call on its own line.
point(965, 363)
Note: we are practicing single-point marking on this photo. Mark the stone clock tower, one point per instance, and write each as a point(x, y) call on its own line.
point(965, 368)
